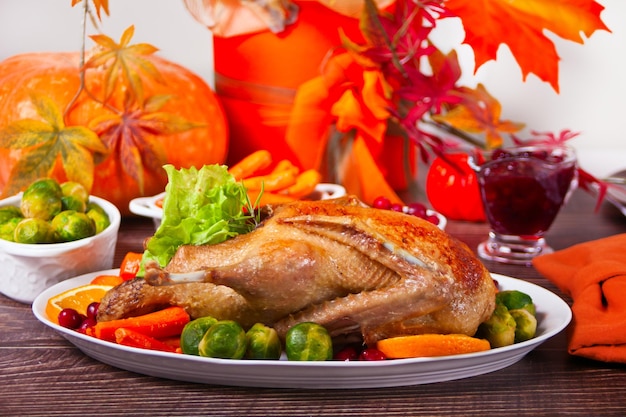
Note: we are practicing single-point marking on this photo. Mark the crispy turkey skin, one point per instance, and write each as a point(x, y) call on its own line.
point(353, 269)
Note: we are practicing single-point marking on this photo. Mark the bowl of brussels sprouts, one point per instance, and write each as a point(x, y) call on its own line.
point(51, 232)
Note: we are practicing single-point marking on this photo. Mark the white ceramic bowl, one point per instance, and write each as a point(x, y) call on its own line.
point(147, 206)
point(28, 269)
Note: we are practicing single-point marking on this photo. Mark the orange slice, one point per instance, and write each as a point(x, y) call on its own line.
point(77, 298)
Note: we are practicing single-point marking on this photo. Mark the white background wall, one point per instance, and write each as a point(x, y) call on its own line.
point(592, 81)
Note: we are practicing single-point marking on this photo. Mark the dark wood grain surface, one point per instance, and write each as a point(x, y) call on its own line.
point(41, 374)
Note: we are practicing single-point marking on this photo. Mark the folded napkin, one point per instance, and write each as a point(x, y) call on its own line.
point(593, 274)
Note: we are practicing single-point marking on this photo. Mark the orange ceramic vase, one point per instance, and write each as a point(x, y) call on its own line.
point(257, 76)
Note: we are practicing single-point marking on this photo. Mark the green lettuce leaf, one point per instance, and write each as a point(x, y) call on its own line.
point(201, 206)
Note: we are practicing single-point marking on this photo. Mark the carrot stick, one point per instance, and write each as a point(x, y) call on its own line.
point(282, 176)
point(163, 323)
point(305, 184)
point(128, 337)
point(268, 197)
point(430, 345)
point(251, 164)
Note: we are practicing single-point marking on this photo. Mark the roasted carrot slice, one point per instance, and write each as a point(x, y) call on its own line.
point(112, 280)
point(159, 324)
point(128, 337)
point(430, 345)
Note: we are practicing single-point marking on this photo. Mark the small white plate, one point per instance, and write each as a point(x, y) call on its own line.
point(147, 206)
point(553, 315)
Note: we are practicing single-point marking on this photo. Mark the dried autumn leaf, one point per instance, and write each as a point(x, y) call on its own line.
point(126, 63)
point(133, 135)
point(522, 26)
point(45, 141)
point(98, 4)
point(479, 113)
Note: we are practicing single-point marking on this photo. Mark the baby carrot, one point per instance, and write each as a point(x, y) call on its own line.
point(305, 184)
point(159, 324)
point(282, 176)
point(430, 345)
point(251, 164)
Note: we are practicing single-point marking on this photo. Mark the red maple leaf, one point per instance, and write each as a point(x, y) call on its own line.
point(522, 26)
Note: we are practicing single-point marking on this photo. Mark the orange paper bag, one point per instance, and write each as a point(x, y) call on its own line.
point(594, 275)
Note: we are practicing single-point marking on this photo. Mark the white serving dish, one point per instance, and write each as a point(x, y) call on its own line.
point(28, 269)
point(553, 315)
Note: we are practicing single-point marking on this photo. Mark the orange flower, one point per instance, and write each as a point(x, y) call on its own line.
point(351, 99)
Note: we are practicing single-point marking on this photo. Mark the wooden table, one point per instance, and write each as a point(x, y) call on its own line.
point(42, 374)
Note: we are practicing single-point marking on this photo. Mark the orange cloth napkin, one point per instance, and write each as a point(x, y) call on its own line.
point(594, 274)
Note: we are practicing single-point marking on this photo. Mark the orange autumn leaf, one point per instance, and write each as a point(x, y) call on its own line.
point(480, 115)
point(100, 5)
point(522, 25)
point(44, 141)
point(126, 63)
point(131, 135)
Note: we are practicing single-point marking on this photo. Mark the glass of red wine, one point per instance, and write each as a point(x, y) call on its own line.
point(523, 189)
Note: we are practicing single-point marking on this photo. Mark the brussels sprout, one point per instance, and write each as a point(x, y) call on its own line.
point(526, 324)
point(193, 332)
point(33, 230)
point(263, 342)
point(69, 202)
point(9, 212)
point(514, 299)
point(225, 339)
point(499, 329)
point(71, 225)
point(42, 199)
point(99, 216)
point(308, 341)
point(7, 229)
point(76, 190)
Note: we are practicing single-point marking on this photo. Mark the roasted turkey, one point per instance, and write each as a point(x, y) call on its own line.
point(353, 269)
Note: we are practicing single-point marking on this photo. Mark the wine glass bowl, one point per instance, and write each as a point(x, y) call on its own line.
point(523, 189)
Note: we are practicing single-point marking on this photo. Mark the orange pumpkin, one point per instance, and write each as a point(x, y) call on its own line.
point(56, 76)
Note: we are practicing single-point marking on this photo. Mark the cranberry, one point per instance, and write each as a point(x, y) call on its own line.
point(87, 322)
point(92, 310)
point(417, 209)
point(372, 354)
point(382, 203)
point(70, 318)
point(396, 207)
point(414, 209)
point(348, 353)
point(433, 219)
